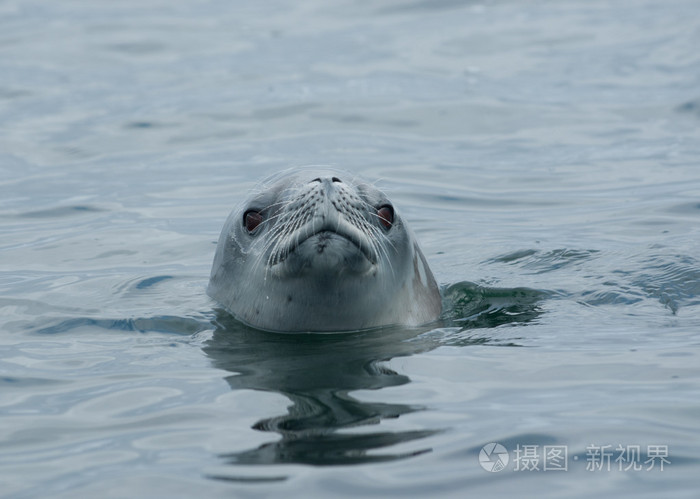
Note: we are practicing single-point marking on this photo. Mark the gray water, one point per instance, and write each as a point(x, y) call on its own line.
point(545, 154)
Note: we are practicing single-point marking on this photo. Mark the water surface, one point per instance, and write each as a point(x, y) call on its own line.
point(545, 154)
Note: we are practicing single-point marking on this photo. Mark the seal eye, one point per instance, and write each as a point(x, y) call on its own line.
point(251, 220)
point(386, 216)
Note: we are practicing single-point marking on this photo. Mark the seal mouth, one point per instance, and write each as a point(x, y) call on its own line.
point(325, 234)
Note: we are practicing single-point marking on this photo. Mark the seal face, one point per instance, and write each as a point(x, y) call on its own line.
point(321, 251)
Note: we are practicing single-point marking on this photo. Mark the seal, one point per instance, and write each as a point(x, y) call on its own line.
point(321, 251)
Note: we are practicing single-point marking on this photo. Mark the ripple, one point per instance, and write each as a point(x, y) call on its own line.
point(674, 283)
point(137, 48)
point(691, 107)
point(545, 261)
point(147, 283)
point(473, 306)
point(61, 211)
point(672, 280)
point(163, 324)
point(330, 450)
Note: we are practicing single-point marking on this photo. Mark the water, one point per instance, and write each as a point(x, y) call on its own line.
point(545, 154)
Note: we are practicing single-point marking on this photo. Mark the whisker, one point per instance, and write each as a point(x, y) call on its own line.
point(292, 211)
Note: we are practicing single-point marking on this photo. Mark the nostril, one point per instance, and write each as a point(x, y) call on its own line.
point(336, 179)
point(317, 179)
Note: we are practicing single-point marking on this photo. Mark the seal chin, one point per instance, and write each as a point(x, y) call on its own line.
point(326, 253)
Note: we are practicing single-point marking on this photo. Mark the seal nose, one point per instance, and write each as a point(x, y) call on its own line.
point(326, 196)
point(321, 180)
point(327, 184)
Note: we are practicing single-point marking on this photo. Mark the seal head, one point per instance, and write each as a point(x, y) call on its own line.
point(321, 251)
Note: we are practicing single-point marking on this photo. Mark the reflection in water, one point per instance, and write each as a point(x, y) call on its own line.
point(318, 372)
